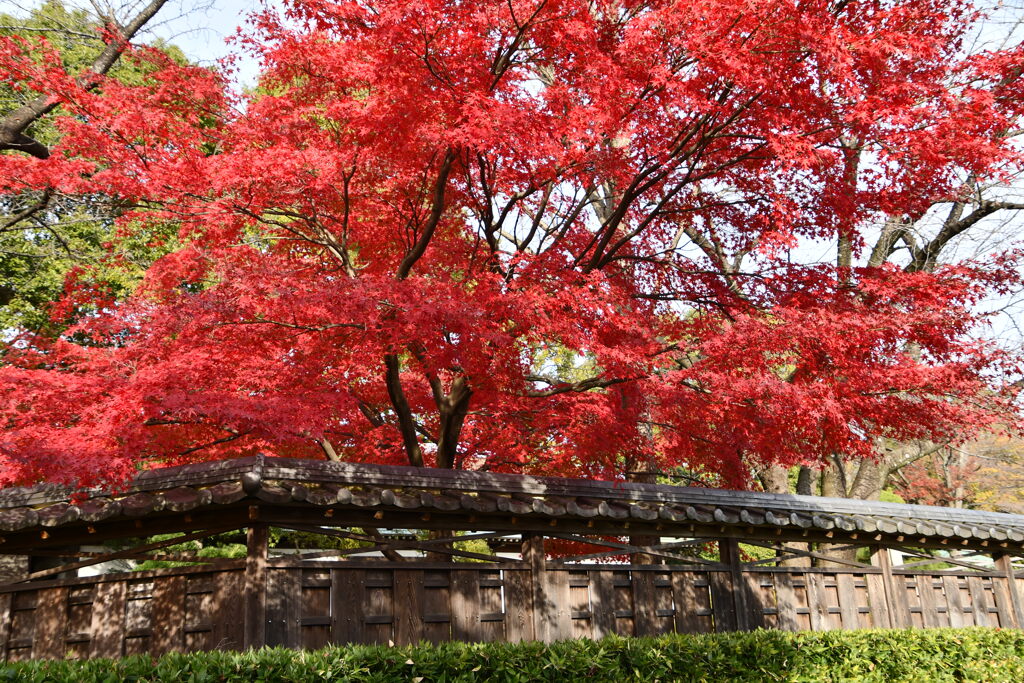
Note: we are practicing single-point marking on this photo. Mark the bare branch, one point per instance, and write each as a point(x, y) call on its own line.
point(557, 387)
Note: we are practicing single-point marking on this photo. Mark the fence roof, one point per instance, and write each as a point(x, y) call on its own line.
point(488, 497)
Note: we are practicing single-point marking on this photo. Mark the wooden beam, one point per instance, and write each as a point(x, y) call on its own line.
point(498, 521)
point(27, 542)
point(119, 576)
point(121, 554)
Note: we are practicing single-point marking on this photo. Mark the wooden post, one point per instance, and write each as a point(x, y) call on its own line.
point(533, 555)
point(255, 590)
point(1005, 564)
point(729, 554)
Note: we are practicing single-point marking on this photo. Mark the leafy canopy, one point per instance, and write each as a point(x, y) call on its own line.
point(547, 235)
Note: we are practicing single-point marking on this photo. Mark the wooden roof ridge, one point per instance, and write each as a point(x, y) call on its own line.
point(258, 472)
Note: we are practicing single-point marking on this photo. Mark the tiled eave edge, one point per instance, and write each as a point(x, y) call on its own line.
point(301, 483)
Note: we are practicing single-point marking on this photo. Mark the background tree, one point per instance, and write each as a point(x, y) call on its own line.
point(977, 219)
point(393, 246)
point(984, 473)
point(45, 235)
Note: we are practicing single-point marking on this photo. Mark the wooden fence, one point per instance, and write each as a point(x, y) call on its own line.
point(308, 606)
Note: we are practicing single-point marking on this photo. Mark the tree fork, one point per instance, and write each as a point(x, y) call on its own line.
point(406, 421)
point(453, 416)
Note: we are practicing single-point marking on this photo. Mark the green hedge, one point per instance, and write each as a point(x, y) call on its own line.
point(914, 655)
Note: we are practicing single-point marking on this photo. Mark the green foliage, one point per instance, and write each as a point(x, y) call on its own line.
point(480, 546)
point(882, 655)
point(887, 496)
point(474, 545)
point(755, 552)
point(78, 235)
point(208, 548)
point(307, 540)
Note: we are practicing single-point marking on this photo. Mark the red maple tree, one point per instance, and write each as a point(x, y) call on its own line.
point(530, 235)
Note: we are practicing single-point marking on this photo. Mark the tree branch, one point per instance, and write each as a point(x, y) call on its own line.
point(437, 208)
point(557, 387)
point(406, 421)
point(43, 202)
point(14, 124)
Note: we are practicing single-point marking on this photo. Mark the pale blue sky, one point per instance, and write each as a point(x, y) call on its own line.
point(199, 27)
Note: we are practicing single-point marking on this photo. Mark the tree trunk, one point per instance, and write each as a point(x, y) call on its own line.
point(808, 481)
point(839, 480)
point(774, 479)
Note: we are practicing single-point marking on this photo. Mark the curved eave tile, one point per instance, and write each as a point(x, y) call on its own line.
point(61, 513)
point(15, 519)
point(141, 504)
point(98, 509)
point(183, 498)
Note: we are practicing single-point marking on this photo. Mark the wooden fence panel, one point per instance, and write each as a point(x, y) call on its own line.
point(284, 588)
point(311, 606)
point(664, 604)
point(79, 621)
point(930, 616)
point(379, 605)
point(315, 620)
point(912, 592)
point(554, 617)
point(603, 619)
point(878, 601)
point(491, 610)
point(51, 620)
point(692, 599)
point(787, 604)
point(579, 605)
point(108, 608)
point(955, 611)
point(437, 605)
point(346, 606)
point(5, 623)
point(900, 603)
point(817, 602)
point(227, 634)
point(200, 611)
point(138, 617)
point(762, 600)
point(979, 601)
point(644, 616)
point(846, 595)
point(23, 624)
point(519, 623)
point(408, 596)
point(723, 601)
point(860, 585)
point(168, 614)
point(1003, 602)
point(465, 595)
